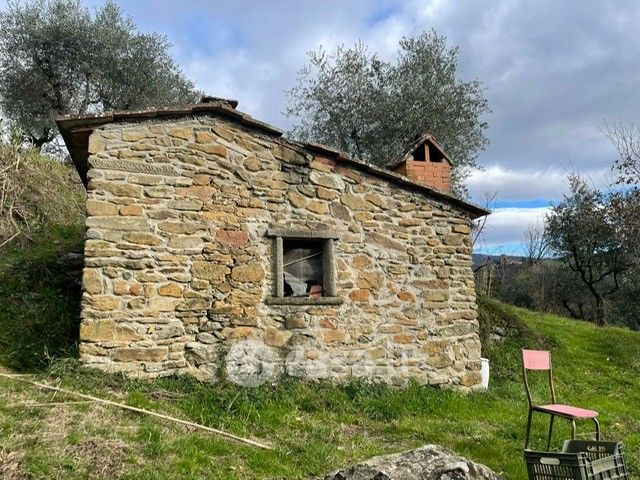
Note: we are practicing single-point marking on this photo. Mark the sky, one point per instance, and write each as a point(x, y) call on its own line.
point(555, 72)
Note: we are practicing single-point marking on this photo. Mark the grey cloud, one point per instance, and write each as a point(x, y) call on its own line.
point(528, 184)
point(554, 70)
point(506, 226)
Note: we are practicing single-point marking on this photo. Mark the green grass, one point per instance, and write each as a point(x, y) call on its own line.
point(314, 428)
point(40, 298)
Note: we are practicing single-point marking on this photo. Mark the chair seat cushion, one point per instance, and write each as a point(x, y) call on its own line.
point(568, 411)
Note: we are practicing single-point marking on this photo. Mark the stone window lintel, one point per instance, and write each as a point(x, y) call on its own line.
point(304, 301)
point(300, 233)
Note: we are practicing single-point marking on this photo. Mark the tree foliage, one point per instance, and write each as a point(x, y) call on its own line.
point(595, 236)
point(584, 231)
point(57, 58)
point(354, 101)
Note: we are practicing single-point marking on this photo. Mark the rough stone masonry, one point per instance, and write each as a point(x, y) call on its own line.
point(187, 210)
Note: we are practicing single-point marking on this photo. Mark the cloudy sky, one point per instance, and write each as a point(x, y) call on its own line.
point(555, 71)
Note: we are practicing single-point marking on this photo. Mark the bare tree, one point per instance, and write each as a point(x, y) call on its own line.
point(478, 226)
point(626, 140)
point(626, 203)
point(536, 242)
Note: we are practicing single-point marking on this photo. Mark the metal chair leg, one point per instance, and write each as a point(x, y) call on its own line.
point(526, 439)
point(550, 432)
point(597, 429)
point(573, 429)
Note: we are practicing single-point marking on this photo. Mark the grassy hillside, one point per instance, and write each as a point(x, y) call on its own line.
point(314, 428)
point(36, 190)
point(40, 298)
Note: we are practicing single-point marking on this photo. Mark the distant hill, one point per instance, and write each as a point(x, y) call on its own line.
point(480, 259)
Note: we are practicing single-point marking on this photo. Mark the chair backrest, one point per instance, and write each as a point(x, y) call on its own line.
point(537, 360)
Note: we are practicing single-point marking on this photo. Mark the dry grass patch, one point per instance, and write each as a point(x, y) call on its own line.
point(11, 467)
point(100, 457)
point(36, 189)
point(63, 440)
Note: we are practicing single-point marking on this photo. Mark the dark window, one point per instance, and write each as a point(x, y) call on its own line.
point(419, 153)
point(427, 151)
point(435, 155)
point(303, 268)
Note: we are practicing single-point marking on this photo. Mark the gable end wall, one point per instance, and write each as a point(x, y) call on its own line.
point(179, 264)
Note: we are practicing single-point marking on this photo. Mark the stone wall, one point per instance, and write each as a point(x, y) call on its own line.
point(179, 265)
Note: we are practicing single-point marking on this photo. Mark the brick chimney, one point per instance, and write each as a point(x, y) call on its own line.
point(425, 162)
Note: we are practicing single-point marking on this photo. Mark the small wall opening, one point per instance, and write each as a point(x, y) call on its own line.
point(435, 155)
point(419, 154)
point(303, 268)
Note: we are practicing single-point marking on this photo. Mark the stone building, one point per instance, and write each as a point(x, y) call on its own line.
point(215, 246)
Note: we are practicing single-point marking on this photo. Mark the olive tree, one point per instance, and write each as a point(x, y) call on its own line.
point(353, 100)
point(57, 58)
point(583, 231)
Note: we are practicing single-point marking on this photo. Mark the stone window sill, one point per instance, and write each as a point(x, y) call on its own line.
point(304, 301)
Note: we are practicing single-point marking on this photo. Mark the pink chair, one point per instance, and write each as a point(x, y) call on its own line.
point(541, 360)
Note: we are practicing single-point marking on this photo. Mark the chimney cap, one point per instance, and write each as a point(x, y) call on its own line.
point(425, 138)
point(211, 99)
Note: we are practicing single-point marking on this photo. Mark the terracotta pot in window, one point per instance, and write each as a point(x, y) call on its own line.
point(315, 291)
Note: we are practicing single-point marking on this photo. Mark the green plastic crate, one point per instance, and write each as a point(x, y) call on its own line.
point(579, 460)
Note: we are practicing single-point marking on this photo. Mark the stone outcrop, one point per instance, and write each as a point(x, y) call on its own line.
point(180, 268)
point(430, 462)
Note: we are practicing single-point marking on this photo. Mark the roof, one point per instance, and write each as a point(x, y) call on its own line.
point(428, 138)
point(76, 129)
point(475, 211)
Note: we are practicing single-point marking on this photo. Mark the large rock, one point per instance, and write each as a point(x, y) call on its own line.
point(430, 462)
